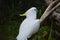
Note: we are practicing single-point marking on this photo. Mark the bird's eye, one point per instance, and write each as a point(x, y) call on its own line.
point(35, 10)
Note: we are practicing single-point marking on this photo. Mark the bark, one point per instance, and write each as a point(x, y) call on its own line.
point(56, 20)
point(49, 10)
point(49, 1)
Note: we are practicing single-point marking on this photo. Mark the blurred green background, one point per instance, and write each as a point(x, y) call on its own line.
point(10, 19)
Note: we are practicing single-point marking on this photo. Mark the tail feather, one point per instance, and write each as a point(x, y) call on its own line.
point(21, 38)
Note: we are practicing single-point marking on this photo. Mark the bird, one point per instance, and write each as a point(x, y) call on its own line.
point(30, 24)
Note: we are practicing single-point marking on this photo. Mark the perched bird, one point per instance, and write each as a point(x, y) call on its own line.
point(30, 25)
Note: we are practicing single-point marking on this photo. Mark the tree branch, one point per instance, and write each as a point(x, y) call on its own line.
point(48, 11)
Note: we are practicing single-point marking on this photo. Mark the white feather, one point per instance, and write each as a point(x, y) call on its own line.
point(29, 26)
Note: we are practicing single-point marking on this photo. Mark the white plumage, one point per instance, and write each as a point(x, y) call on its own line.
point(30, 25)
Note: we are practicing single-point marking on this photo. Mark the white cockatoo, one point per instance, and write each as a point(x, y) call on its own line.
point(30, 25)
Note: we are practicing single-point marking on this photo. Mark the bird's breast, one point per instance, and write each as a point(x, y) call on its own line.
point(29, 23)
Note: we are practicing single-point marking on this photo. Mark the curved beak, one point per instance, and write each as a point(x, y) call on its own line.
point(23, 14)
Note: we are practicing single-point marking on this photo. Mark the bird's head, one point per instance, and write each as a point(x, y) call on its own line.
point(30, 12)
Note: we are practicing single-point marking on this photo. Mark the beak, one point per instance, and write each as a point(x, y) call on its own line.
point(23, 14)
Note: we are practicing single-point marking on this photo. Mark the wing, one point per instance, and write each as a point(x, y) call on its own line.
point(29, 27)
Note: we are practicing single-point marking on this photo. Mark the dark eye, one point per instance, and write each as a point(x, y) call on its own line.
point(35, 9)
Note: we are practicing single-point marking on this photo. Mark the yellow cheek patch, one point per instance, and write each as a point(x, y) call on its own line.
point(23, 14)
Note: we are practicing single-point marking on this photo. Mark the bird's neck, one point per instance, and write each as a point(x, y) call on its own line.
point(31, 17)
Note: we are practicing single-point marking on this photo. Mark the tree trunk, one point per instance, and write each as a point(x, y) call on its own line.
point(56, 20)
